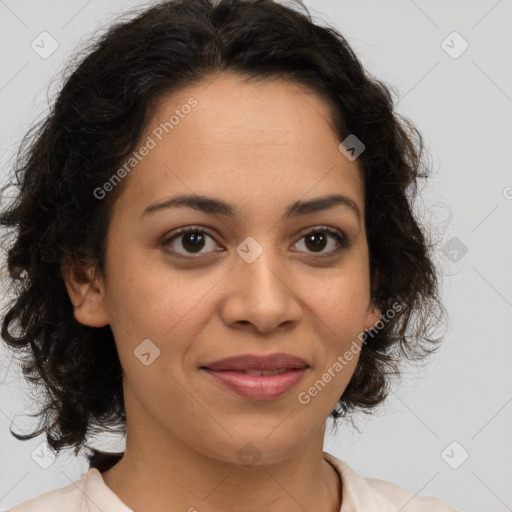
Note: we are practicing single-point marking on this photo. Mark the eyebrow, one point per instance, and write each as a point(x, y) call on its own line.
point(217, 206)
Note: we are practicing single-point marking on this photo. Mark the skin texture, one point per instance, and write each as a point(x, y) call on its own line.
point(259, 146)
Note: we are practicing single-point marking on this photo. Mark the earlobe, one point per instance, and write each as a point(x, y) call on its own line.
point(86, 293)
point(373, 317)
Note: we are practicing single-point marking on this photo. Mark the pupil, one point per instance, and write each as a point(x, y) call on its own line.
point(314, 238)
point(197, 241)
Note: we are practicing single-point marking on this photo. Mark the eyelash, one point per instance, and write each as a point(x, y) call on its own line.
point(343, 243)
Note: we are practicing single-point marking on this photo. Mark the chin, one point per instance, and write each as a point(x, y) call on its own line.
point(259, 449)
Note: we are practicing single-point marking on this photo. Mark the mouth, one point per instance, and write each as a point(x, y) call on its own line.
point(249, 362)
point(258, 372)
point(257, 377)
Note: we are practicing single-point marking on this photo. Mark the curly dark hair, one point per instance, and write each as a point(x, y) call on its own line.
point(94, 125)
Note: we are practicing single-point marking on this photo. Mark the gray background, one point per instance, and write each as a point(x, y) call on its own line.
point(463, 107)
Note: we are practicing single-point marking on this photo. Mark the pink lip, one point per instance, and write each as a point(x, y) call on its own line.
point(257, 387)
point(230, 373)
point(276, 361)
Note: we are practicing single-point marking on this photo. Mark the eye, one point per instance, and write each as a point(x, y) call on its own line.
point(193, 239)
point(317, 239)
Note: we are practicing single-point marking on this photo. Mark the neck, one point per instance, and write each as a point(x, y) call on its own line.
point(166, 471)
point(153, 478)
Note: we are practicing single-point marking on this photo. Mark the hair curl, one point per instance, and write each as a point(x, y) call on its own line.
point(95, 124)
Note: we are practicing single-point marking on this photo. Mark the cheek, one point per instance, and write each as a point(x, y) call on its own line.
point(167, 307)
point(338, 308)
point(340, 304)
point(150, 298)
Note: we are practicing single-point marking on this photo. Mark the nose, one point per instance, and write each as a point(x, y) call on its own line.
point(260, 294)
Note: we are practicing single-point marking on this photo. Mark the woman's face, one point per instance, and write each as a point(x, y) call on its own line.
point(250, 282)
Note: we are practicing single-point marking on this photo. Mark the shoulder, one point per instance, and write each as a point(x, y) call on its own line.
point(65, 499)
point(407, 501)
point(365, 494)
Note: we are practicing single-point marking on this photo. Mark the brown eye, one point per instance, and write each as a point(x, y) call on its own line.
point(317, 240)
point(191, 240)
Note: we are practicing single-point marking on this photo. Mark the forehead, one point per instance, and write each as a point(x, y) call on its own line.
point(231, 108)
point(261, 142)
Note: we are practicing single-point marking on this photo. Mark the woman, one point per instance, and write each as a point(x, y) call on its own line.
point(214, 251)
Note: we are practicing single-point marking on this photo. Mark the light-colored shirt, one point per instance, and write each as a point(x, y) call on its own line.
point(359, 494)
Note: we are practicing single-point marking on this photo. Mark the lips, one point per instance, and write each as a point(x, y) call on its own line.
point(265, 364)
point(263, 372)
point(256, 377)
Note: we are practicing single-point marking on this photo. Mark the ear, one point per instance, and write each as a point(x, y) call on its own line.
point(372, 316)
point(86, 293)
